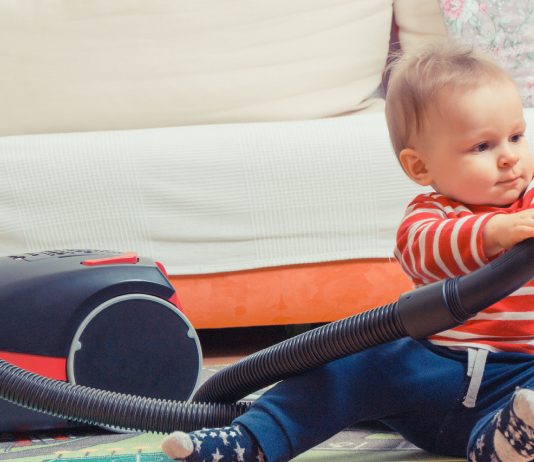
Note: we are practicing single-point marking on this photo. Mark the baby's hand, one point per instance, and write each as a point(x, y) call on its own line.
point(504, 231)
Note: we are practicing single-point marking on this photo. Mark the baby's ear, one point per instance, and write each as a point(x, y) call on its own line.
point(414, 164)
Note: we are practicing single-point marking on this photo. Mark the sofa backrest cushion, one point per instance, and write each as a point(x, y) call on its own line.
point(419, 22)
point(78, 65)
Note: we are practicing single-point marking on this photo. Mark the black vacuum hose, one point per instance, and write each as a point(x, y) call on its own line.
point(417, 313)
point(126, 412)
point(305, 351)
point(100, 407)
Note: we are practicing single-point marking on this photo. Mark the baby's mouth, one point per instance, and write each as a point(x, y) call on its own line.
point(509, 181)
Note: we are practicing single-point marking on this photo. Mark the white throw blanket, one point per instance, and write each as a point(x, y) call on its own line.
point(209, 198)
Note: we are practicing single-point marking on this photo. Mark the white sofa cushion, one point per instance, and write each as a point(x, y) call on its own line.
point(210, 198)
point(420, 22)
point(78, 65)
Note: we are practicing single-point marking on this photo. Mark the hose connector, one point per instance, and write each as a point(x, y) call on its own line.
point(431, 309)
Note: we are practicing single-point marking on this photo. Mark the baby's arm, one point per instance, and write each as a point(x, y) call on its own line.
point(437, 239)
point(503, 231)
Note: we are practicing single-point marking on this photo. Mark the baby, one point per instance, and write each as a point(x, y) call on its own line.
point(456, 124)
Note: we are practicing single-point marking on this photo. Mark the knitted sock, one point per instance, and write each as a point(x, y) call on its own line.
point(229, 444)
point(509, 437)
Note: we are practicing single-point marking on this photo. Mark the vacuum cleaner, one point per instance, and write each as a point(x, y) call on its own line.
point(98, 338)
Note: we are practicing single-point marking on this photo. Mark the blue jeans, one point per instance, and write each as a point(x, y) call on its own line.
point(414, 387)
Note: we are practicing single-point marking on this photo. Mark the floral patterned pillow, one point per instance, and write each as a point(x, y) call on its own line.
point(503, 28)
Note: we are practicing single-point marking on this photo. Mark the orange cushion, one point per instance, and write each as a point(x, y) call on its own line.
point(296, 294)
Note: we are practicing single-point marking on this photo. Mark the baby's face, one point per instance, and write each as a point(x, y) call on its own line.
point(474, 145)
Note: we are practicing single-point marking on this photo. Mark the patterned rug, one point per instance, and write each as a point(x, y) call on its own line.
point(362, 444)
point(366, 443)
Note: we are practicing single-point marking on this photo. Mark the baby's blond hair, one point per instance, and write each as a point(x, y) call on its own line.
point(418, 77)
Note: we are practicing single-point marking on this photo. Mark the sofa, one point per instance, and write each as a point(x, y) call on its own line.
point(242, 144)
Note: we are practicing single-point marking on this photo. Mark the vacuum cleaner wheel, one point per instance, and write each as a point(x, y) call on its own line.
point(136, 344)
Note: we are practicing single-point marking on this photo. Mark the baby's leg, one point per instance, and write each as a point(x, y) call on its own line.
point(509, 435)
point(232, 443)
point(399, 379)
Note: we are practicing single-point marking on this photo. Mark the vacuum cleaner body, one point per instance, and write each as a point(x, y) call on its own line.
point(103, 319)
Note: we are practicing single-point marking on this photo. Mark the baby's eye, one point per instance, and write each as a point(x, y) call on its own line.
point(516, 138)
point(481, 147)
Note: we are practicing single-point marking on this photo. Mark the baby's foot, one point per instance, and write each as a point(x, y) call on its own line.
point(509, 437)
point(178, 445)
point(233, 443)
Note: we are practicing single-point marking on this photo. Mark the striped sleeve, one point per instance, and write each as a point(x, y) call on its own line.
point(440, 239)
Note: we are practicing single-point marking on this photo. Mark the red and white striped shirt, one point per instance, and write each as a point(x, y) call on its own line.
point(440, 238)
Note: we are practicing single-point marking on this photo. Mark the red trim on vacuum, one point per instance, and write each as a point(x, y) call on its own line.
point(174, 297)
point(46, 366)
point(125, 258)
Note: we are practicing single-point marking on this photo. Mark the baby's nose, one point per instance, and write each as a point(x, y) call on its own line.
point(507, 157)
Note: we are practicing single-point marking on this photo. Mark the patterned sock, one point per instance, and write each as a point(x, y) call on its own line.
point(229, 444)
point(509, 437)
